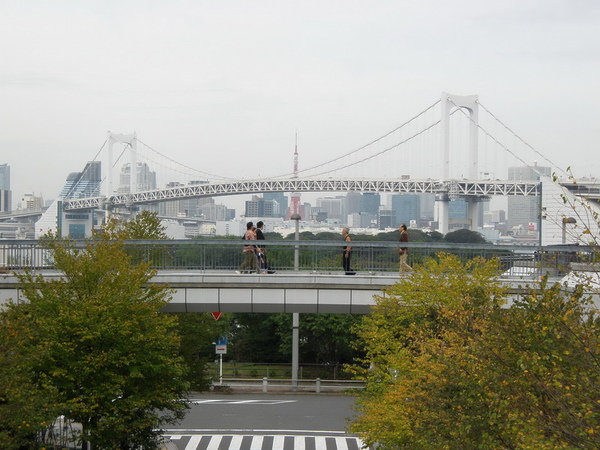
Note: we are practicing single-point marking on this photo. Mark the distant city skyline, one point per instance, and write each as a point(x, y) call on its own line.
point(224, 87)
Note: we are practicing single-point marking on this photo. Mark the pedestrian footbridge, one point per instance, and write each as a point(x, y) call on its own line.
point(291, 292)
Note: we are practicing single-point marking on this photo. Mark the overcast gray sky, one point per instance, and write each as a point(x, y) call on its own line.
point(214, 83)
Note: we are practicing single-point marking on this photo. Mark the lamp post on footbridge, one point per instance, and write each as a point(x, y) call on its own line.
point(296, 316)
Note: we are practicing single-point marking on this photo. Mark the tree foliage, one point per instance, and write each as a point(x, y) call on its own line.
point(324, 338)
point(464, 236)
point(93, 347)
point(451, 368)
point(144, 225)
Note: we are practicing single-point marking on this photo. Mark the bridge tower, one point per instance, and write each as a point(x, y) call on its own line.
point(131, 140)
point(470, 103)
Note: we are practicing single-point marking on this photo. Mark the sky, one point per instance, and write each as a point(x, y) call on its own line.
point(226, 86)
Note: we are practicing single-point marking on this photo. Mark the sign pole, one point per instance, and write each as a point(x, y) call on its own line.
point(221, 369)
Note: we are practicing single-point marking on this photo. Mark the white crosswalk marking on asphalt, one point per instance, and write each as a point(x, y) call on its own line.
point(236, 442)
point(256, 443)
point(193, 444)
point(341, 443)
point(278, 441)
point(216, 441)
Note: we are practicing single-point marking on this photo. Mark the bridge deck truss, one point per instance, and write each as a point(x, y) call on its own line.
point(460, 188)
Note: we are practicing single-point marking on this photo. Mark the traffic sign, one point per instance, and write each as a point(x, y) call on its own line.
point(217, 315)
point(221, 349)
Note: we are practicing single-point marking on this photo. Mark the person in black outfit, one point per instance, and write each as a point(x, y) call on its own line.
point(262, 253)
point(347, 253)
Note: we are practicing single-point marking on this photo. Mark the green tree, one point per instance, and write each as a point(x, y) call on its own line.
point(95, 346)
point(144, 225)
point(198, 331)
point(451, 368)
point(464, 236)
point(417, 396)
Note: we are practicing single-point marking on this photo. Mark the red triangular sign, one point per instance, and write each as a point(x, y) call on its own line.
point(216, 315)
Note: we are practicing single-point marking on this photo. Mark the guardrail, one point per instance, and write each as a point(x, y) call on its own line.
point(316, 256)
point(265, 384)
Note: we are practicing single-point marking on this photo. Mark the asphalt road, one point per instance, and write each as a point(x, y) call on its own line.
point(259, 413)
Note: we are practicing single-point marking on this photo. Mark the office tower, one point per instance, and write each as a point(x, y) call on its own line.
point(145, 178)
point(259, 207)
point(353, 202)
point(333, 207)
point(83, 184)
point(525, 210)
point(281, 200)
point(5, 192)
point(369, 203)
point(406, 208)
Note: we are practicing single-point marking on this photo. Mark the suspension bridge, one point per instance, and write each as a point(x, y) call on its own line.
point(455, 148)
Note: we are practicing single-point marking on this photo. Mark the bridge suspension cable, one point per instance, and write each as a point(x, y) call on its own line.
point(404, 141)
point(195, 172)
point(399, 127)
point(519, 138)
point(87, 167)
point(488, 134)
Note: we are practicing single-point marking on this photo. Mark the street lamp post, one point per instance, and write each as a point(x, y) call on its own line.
point(296, 316)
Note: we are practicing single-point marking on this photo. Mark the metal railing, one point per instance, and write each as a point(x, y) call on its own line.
point(265, 384)
point(213, 255)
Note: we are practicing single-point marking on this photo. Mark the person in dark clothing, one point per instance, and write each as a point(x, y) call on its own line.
point(347, 252)
point(262, 252)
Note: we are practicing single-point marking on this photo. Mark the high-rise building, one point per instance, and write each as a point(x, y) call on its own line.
point(259, 207)
point(333, 207)
point(5, 177)
point(369, 203)
point(5, 192)
point(83, 184)
point(281, 200)
point(406, 207)
point(31, 201)
point(353, 202)
point(525, 210)
point(145, 178)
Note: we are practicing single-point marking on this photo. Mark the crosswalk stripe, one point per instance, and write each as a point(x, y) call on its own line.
point(236, 442)
point(256, 443)
point(278, 441)
point(341, 443)
point(320, 442)
point(300, 444)
point(273, 442)
point(215, 442)
point(193, 443)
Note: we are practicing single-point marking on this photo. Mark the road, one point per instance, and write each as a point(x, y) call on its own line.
point(265, 422)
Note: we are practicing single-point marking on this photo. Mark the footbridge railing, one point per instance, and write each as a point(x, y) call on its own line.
point(225, 255)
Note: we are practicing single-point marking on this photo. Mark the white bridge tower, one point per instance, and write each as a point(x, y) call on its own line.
point(470, 103)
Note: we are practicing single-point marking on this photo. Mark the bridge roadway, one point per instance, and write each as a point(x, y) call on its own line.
point(453, 188)
point(285, 292)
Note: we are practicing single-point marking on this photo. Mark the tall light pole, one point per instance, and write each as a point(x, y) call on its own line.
point(296, 316)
